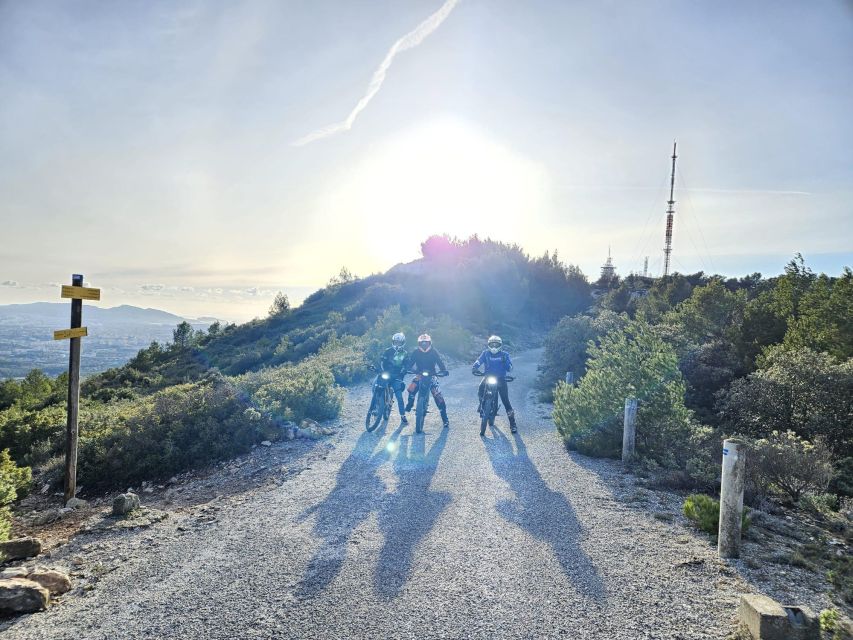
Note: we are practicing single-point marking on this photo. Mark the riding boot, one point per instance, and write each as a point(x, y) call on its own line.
point(444, 417)
point(512, 425)
point(410, 403)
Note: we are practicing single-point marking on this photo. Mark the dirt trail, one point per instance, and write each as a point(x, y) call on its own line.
point(396, 535)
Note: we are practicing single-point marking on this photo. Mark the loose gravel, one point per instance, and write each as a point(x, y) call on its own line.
point(396, 535)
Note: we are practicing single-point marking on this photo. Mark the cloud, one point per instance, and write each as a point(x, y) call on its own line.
point(152, 287)
point(408, 41)
point(9, 283)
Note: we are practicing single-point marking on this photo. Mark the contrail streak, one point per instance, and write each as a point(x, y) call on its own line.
point(408, 41)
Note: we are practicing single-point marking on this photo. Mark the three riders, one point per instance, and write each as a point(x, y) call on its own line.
point(396, 363)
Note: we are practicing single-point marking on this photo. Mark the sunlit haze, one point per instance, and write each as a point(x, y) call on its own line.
point(180, 154)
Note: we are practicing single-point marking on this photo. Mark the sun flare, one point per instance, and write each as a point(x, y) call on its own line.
point(444, 177)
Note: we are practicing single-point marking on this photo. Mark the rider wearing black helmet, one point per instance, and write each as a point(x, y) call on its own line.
point(425, 358)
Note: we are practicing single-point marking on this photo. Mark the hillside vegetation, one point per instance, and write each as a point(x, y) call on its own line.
point(213, 394)
point(766, 359)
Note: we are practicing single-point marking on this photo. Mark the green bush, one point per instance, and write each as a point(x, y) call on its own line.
point(785, 464)
point(634, 363)
point(179, 428)
point(704, 512)
point(842, 478)
point(567, 346)
point(14, 483)
point(820, 503)
point(293, 392)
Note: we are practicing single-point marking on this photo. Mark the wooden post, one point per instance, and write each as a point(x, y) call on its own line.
point(629, 431)
point(731, 498)
point(73, 395)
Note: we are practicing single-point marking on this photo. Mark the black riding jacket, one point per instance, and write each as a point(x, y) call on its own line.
point(420, 361)
point(395, 362)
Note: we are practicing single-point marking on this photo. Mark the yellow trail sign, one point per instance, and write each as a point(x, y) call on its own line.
point(80, 293)
point(65, 334)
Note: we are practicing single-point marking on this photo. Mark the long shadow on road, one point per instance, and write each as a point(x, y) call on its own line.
point(405, 514)
point(357, 491)
point(543, 512)
point(408, 514)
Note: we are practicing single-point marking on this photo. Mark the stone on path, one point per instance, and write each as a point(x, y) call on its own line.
point(76, 503)
point(19, 549)
point(19, 595)
point(124, 503)
point(54, 581)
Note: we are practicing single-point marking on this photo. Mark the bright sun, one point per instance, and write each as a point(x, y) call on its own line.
point(444, 177)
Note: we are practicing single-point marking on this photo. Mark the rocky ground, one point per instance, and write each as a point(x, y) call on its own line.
point(392, 534)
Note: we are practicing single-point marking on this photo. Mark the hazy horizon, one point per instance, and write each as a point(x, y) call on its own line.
point(198, 157)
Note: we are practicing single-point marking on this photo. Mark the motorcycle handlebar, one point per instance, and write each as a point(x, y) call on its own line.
point(440, 374)
point(480, 375)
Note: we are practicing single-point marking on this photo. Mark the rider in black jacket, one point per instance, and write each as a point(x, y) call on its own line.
point(425, 358)
point(395, 361)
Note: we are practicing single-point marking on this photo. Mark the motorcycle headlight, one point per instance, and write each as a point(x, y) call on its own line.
point(385, 376)
point(425, 374)
point(491, 380)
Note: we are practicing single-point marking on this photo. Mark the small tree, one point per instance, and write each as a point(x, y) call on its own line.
point(182, 336)
point(280, 306)
point(344, 277)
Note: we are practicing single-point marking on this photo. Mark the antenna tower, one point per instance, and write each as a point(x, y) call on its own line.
point(667, 247)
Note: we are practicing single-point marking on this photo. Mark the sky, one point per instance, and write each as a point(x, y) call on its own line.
point(199, 156)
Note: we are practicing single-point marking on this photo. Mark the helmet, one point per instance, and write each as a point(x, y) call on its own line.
point(398, 340)
point(495, 343)
point(424, 342)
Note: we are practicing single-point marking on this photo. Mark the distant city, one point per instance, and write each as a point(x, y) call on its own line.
point(115, 335)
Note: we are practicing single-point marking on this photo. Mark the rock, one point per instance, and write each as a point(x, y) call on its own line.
point(45, 489)
point(19, 595)
point(13, 572)
point(44, 517)
point(266, 443)
point(76, 503)
point(19, 549)
point(308, 423)
point(54, 581)
point(148, 490)
point(124, 503)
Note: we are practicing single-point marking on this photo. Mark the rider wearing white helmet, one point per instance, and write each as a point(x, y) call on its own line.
point(426, 358)
point(497, 363)
point(395, 361)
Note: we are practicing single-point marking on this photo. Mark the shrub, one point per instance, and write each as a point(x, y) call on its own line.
point(293, 392)
point(567, 346)
point(783, 463)
point(828, 620)
point(842, 479)
point(704, 512)
point(629, 363)
point(795, 390)
point(182, 427)
point(14, 483)
point(820, 503)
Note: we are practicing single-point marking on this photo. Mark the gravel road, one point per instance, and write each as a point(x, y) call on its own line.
point(396, 535)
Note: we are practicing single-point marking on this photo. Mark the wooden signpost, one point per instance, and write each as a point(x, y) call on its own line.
point(77, 292)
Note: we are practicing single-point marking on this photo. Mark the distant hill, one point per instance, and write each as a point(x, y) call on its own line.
point(116, 335)
point(53, 312)
point(478, 286)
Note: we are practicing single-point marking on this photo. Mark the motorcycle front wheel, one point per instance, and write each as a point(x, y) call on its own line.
point(421, 413)
point(389, 403)
point(374, 414)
